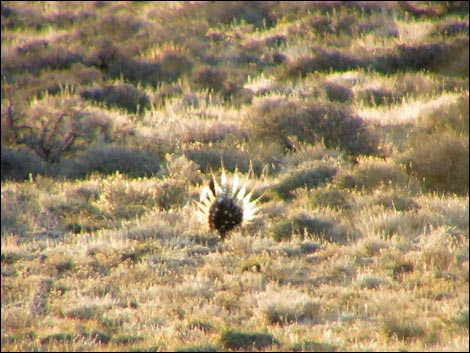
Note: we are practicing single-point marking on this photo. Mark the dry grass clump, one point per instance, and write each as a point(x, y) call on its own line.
point(352, 115)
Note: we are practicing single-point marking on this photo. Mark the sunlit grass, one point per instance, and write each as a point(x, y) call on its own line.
point(354, 152)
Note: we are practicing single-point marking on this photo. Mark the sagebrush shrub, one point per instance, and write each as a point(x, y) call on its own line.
point(212, 159)
point(302, 225)
point(276, 119)
point(236, 340)
point(338, 93)
point(109, 159)
point(328, 197)
point(440, 163)
point(257, 13)
point(372, 173)
point(308, 178)
point(210, 77)
point(18, 164)
point(122, 95)
point(323, 61)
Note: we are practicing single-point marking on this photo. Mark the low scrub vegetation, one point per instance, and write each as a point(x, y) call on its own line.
point(348, 121)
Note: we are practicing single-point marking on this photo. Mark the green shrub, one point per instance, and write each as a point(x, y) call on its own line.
point(18, 164)
point(233, 339)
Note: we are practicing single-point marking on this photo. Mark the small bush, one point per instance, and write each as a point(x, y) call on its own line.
point(212, 159)
point(397, 202)
point(304, 178)
point(325, 60)
point(281, 231)
point(233, 339)
point(210, 77)
point(277, 120)
point(303, 224)
point(109, 159)
point(180, 167)
point(257, 13)
point(59, 337)
point(126, 198)
point(18, 164)
point(85, 312)
point(122, 95)
point(198, 348)
point(38, 55)
point(375, 96)
point(312, 346)
point(329, 197)
point(286, 314)
point(338, 93)
point(325, 229)
point(452, 116)
point(431, 56)
point(401, 329)
point(441, 163)
point(371, 174)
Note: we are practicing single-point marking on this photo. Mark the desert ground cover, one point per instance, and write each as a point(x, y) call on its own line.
point(348, 120)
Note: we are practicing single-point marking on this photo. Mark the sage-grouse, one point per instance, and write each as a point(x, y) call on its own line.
point(226, 206)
